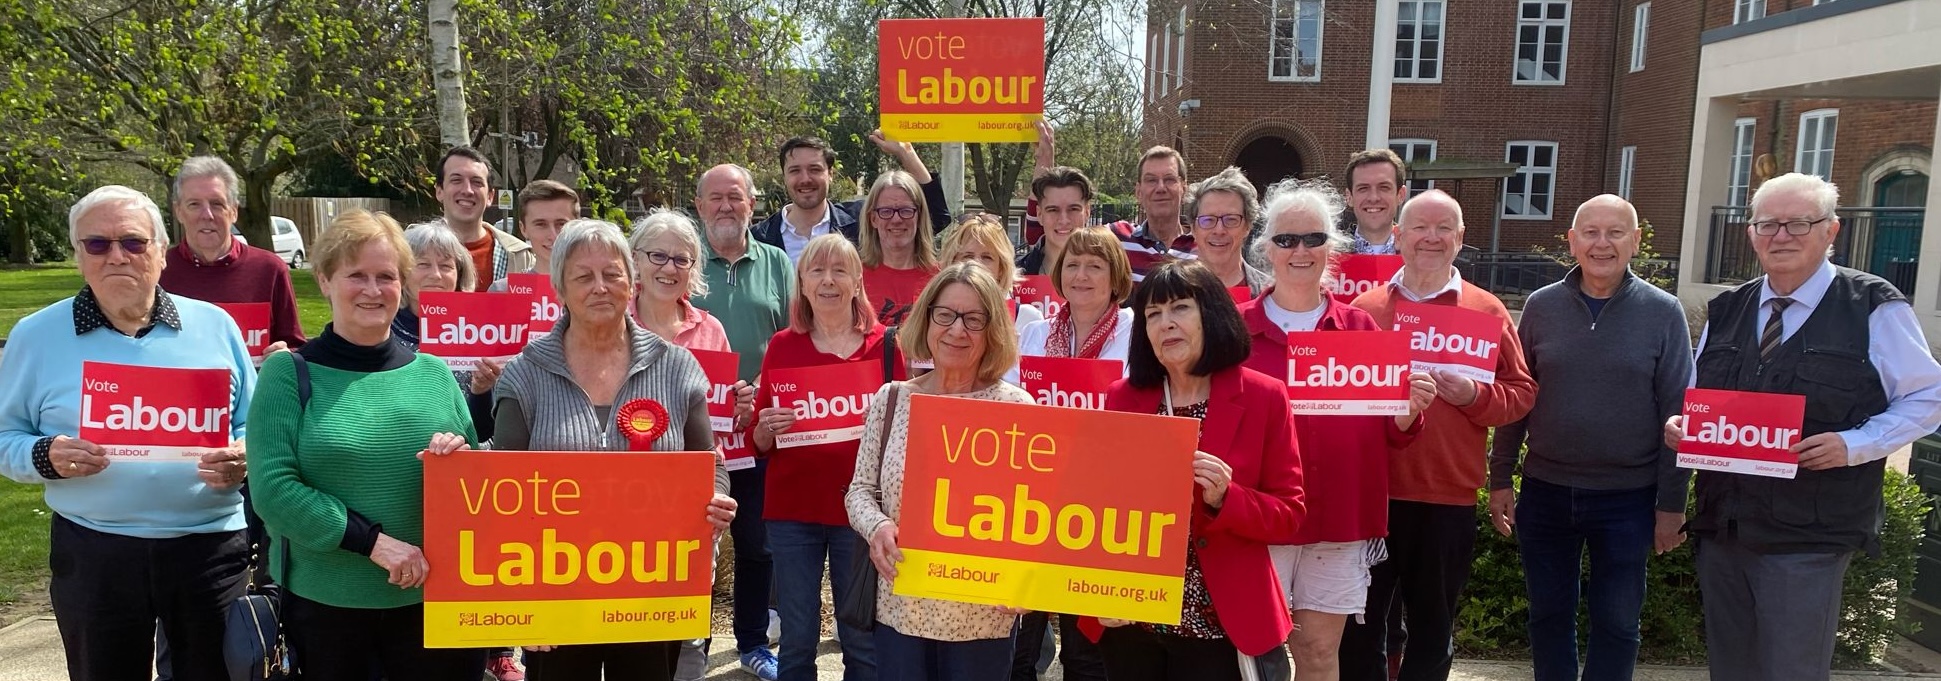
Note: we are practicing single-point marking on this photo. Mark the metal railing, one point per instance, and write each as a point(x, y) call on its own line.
point(1520, 274)
point(1883, 241)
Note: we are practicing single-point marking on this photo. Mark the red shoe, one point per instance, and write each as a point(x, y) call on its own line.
point(503, 668)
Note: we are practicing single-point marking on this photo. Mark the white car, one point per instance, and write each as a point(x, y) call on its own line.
point(288, 242)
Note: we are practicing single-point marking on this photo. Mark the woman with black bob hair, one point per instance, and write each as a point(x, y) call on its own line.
point(1188, 347)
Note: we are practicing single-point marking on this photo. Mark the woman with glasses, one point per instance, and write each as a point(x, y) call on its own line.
point(981, 238)
point(899, 246)
point(1225, 207)
point(965, 331)
point(1324, 570)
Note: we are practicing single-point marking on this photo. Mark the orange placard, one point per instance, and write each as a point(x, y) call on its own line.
point(1048, 508)
point(961, 80)
point(554, 548)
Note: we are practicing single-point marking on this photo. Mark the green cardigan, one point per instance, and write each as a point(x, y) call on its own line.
point(355, 446)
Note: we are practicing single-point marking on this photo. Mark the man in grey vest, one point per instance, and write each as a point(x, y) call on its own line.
point(1773, 552)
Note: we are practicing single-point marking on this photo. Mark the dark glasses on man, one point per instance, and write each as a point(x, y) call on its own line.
point(1310, 240)
point(133, 245)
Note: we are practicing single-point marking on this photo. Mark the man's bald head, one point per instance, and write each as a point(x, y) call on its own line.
point(1605, 202)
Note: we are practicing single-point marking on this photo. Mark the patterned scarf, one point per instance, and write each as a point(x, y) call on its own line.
point(1059, 343)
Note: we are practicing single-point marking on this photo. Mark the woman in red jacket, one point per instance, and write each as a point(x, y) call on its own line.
point(1188, 343)
point(1325, 569)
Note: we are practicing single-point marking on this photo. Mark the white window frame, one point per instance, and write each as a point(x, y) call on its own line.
point(1738, 186)
point(1640, 34)
point(1166, 60)
point(1563, 63)
point(1273, 40)
point(1627, 166)
point(1530, 172)
point(1179, 48)
point(1748, 10)
point(1442, 38)
point(1823, 126)
point(1152, 69)
point(1409, 146)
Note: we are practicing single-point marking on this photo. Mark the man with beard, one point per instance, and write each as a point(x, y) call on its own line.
point(808, 165)
point(1376, 190)
point(209, 264)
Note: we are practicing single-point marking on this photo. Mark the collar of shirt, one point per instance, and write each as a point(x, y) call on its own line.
point(1182, 243)
point(1454, 287)
point(1807, 296)
point(228, 257)
point(748, 250)
point(816, 230)
point(1363, 245)
point(89, 316)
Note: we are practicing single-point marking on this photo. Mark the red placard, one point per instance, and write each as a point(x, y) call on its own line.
point(463, 328)
point(254, 321)
point(1036, 290)
point(830, 401)
point(721, 368)
point(1741, 432)
point(961, 80)
point(1453, 339)
point(1359, 373)
point(1241, 293)
point(1069, 381)
point(1358, 274)
point(545, 304)
point(154, 414)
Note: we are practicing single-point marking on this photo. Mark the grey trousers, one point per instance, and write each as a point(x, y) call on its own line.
point(1769, 617)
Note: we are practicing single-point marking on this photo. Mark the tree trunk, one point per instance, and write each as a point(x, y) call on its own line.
point(20, 239)
point(255, 218)
point(448, 74)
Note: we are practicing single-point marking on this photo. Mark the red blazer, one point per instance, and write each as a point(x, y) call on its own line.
point(1249, 426)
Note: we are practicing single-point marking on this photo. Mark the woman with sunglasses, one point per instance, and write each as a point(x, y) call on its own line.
point(1225, 208)
point(1324, 571)
point(898, 242)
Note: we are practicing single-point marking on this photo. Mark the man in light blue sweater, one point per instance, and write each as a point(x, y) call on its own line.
point(133, 542)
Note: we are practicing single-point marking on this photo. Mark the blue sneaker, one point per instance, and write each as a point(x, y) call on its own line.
point(761, 663)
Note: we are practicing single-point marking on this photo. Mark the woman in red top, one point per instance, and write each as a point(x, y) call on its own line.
point(1325, 569)
point(1188, 344)
point(830, 322)
point(899, 246)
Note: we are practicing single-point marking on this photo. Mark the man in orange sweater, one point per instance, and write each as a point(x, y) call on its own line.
point(1433, 482)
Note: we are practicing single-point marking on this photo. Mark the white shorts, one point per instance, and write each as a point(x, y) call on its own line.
point(1329, 577)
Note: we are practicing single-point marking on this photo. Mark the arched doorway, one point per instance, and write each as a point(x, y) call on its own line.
point(1898, 199)
point(1267, 160)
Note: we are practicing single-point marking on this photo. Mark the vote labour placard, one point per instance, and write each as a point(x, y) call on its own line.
point(1358, 274)
point(830, 401)
point(1036, 290)
point(1450, 338)
point(1337, 373)
point(463, 328)
point(545, 304)
point(1046, 508)
point(1069, 381)
point(961, 80)
point(1741, 432)
point(721, 369)
point(254, 321)
point(139, 413)
point(557, 548)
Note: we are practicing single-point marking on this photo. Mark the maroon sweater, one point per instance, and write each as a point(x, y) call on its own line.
point(246, 275)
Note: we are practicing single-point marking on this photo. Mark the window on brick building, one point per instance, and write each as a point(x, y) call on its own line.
point(1817, 130)
point(1748, 10)
point(1295, 50)
point(1413, 150)
point(1152, 69)
point(1166, 60)
point(1179, 50)
point(1739, 186)
point(1640, 30)
point(1627, 164)
point(1418, 41)
point(1528, 194)
point(1542, 41)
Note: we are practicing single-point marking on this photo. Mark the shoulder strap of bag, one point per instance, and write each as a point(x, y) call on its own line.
point(889, 356)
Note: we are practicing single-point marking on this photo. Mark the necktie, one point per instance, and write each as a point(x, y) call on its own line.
point(1769, 335)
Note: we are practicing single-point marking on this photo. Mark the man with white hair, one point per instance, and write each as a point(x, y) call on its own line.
point(209, 265)
point(1773, 552)
point(133, 541)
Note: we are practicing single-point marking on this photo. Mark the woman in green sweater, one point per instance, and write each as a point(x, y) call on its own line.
point(336, 477)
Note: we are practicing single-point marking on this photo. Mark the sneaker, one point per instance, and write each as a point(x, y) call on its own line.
point(761, 663)
point(503, 668)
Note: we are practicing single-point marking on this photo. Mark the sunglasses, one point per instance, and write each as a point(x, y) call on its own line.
point(1310, 240)
point(132, 245)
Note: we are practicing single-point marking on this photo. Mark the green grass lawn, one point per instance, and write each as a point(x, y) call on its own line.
point(24, 290)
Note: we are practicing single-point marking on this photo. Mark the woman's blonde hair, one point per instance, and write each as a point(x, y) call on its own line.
point(349, 233)
point(983, 229)
point(1096, 241)
point(829, 247)
point(1000, 333)
point(872, 244)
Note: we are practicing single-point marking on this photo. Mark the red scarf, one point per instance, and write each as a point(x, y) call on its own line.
point(1059, 343)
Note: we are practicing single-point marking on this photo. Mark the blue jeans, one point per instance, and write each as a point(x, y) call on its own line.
point(908, 657)
point(800, 550)
point(1554, 525)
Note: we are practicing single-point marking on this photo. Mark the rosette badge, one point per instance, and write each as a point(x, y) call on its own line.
point(642, 421)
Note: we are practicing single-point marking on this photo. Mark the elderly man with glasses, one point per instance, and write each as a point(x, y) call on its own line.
point(1773, 552)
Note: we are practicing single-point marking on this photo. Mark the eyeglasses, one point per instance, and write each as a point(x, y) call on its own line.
point(1227, 221)
point(132, 245)
point(658, 258)
point(973, 321)
point(1310, 240)
point(905, 212)
point(1793, 227)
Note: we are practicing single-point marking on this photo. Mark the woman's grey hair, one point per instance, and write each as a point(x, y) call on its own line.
point(1234, 181)
point(116, 195)
point(665, 220)
point(435, 239)
point(1295, 199)
point(208, 166)
point(586, 231)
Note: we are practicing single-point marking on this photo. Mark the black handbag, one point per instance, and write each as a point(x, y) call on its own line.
point(857, 609)
point(254, 646)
